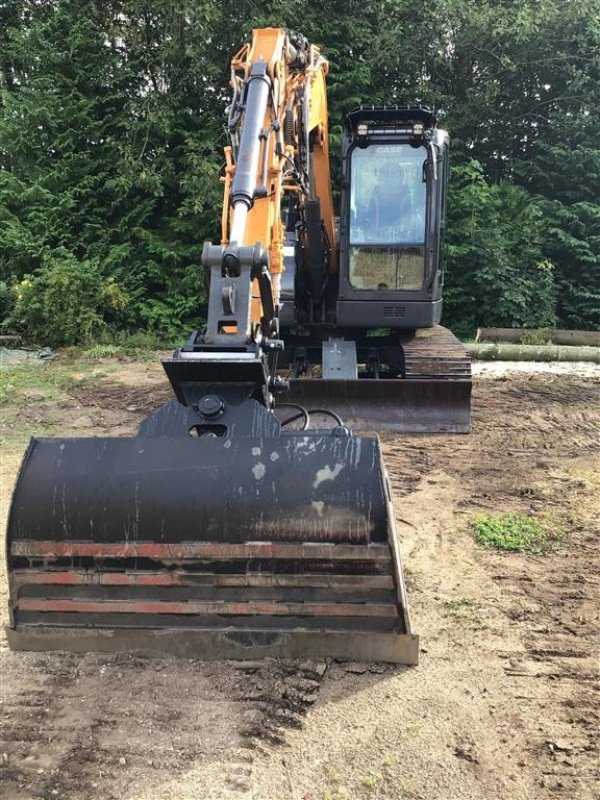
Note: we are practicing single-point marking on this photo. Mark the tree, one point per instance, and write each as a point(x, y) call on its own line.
point(107, 156)
point(112, 128)
point(498, 271)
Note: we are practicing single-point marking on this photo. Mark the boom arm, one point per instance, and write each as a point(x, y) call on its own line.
point(278, 157)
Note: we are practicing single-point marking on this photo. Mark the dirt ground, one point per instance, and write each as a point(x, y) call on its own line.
point(504, 703)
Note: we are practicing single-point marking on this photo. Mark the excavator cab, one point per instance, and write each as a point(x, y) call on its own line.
point(395, 163)
point(372, 330)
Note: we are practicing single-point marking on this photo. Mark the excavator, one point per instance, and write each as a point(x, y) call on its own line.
point(246, 518)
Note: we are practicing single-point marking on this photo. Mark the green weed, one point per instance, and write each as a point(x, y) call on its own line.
point(536, 336)
point(121, 351)
point(136, 346)
point(103, 351)
point(409, 730)
point(372, 781)
point(463, 610)
point(139, 354)
point(143, 346)
point(461, 606)
point(516, 532)
point(144, 341)
point(339, 793)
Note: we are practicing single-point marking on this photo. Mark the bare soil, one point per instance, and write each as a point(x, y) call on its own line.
point(504, 703)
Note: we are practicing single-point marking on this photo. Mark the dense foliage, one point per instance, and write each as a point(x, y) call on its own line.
point(111, 135)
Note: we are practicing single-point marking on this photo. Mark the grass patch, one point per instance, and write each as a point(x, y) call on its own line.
point(103, 351)
point(465, 611)
point(339, 793)
point(135, 346)
point(516, 532)
point(372, 781)
point(126, 351)
point(32, 381)
point(459, 605)
point(411, 729)
point(44, 381)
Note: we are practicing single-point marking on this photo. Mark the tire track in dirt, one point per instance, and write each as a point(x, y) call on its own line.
point(280, 694)
point(121, 727)
point(74, 726)
point(535, 448)
point(560, 615)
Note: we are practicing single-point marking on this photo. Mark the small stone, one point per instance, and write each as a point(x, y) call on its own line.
point(40, 771)
point(131, 408)
point(122, 761)
point(309, 684)
point(247, 666)
point(54, 792)
point(560, 746)
point(355, 667)
point(466, 751)
point(94, 785)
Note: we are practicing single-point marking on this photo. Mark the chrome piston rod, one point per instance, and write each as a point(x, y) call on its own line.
point(245, 179)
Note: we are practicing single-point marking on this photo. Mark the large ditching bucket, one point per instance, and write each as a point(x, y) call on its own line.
point(231, 547)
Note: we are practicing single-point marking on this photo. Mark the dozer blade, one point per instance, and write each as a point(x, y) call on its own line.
point(395, 405)
point(207, 547)
point(433, 396)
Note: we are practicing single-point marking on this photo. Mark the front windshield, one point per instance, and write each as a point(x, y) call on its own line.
point(387, 217)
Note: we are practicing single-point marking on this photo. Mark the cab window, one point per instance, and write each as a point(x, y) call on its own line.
point(387, 217)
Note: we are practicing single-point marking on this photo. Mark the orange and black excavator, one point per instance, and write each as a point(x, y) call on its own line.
point(246, 519)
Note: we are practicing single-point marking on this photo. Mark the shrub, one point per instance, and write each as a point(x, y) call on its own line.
point(7, 303)
point(66, 302)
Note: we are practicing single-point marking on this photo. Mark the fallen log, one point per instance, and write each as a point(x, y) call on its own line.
point(538, 336)
point(529, 352)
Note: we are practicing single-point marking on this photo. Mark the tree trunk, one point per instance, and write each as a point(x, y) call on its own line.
point(529, 352)
point(538, 336)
